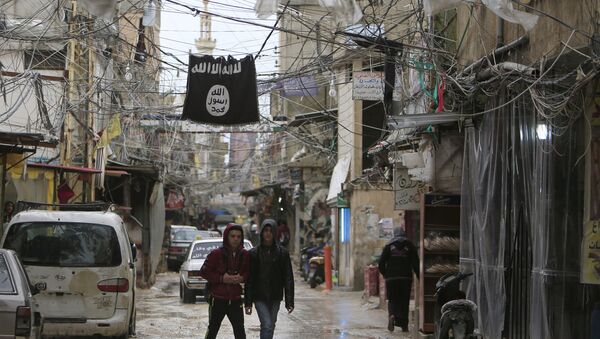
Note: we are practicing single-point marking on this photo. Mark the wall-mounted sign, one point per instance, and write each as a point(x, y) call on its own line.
point(407, 192)
point(590, 253)
point(386, 228)
point(368, 85)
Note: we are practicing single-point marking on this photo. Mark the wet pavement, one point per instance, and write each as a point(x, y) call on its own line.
point(318, 314)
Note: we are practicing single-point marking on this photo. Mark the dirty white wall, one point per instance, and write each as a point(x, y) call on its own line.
point(157, 225)
point(448, 163)
point(367, 207)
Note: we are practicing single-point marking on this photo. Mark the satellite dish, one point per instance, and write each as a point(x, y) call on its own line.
point(149, 14)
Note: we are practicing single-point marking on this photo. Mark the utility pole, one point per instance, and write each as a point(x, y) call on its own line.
point(71, 89)
point(76, 110)
point(89, 187)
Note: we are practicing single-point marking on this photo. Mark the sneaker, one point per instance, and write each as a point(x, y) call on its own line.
point(391, 323)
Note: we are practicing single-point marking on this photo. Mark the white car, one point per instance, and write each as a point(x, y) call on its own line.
point(82, 264)
point(19, 316)
point(191, 284)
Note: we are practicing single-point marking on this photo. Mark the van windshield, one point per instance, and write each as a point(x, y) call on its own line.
point(64, 244)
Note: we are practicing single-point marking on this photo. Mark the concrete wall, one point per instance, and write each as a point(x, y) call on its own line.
point(345, 120)
point(367, 207)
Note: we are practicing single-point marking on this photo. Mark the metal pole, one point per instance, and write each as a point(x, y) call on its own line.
point(66, 154)
point(89, 119)
point(327, 254)
point(2, 193)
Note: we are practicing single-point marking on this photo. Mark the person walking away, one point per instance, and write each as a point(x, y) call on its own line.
point(225, 269)
point(399, 259)
point(271, 278)
point(283, 234)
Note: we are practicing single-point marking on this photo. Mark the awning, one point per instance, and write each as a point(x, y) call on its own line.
point(397, 139)
point(338, 177)
point(318, 116)
point(11, 142)
point(257, 191)
point(421, 120)
point(116, 173)
point(64, 168)
point(150, 170)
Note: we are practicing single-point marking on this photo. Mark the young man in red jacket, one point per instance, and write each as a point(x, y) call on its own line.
point(225, 269)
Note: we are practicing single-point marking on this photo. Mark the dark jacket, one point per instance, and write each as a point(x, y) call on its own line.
point(398, 259)
point(280, 275)
point(225, 260)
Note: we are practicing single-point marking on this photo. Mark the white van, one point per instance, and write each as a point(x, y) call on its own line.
point(82, 263)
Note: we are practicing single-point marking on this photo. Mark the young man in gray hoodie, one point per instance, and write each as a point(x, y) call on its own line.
point(271, 278)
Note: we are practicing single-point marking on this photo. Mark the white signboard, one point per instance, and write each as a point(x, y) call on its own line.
point(407, 193)
point(386, 228)
point(368, 85)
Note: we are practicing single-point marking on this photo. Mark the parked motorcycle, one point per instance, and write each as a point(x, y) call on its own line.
point(316, 274)
point(306, 254)
point(456, 311)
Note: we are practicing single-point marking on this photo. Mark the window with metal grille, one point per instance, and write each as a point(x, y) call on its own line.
point(45, 59)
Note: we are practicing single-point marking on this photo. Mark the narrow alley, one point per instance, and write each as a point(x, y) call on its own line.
point(337, 314)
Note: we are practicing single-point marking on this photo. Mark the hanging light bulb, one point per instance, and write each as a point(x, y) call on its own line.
point(149, 14)
point(332, 90)
point(128, 75)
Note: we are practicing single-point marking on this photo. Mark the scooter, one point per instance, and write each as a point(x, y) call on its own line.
point(316, 274)
point(456, 311)
point(305, 255)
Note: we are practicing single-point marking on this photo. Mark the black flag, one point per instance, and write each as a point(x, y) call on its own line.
point(221, 91)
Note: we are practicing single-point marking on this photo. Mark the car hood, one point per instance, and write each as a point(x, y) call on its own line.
point(196, 264)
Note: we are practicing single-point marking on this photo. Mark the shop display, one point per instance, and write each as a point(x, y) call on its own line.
point(439, 250)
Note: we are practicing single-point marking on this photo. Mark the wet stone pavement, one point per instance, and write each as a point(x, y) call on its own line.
point(318, 314)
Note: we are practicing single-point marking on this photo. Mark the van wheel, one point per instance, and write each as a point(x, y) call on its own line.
point(189, 297)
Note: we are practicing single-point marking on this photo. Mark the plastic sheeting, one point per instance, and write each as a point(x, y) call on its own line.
point(502, 8)
point(100, 8)
point(521, 226)
point(345, 11)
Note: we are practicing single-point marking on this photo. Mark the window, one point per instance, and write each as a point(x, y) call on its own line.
point(6, 283)
point(186, 235)
point(45, 59)
point(373, 123)
point(65, 244)
point(344, 224)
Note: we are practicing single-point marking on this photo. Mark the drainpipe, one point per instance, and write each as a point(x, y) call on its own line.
point(502, 67)
point(498, 52)
point(499, 32)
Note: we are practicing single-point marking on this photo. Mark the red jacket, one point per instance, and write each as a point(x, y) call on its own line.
point(224, 260)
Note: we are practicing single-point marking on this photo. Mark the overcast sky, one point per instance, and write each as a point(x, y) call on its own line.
point(179, 29)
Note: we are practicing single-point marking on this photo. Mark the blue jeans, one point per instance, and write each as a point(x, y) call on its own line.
point(267, 313)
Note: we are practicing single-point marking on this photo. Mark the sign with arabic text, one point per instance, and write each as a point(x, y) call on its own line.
point(368, 85)
point(407, 192)
point(221, 91)
point(590, 253)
